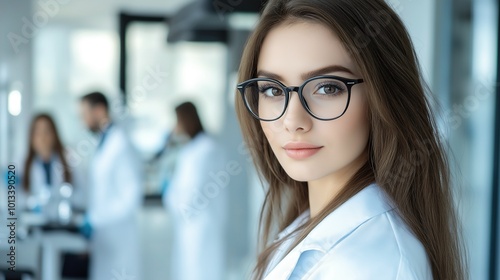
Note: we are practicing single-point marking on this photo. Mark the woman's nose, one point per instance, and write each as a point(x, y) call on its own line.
point(296, 118)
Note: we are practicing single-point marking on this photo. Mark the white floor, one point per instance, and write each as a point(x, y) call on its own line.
point(155, 238)
point(155, 229)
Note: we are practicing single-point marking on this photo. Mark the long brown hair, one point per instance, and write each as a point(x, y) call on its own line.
point(58, 149)
point(406, 156)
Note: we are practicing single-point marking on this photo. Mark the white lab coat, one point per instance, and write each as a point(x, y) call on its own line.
point(114, 202)
point(39, 190)
point(363, 239)
point(196, 200)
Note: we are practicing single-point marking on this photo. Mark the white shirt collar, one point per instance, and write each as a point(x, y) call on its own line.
point(368, 203)
point(299, 221)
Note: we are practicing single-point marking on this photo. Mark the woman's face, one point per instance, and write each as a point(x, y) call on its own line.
point(309, 149)
point(43, 137)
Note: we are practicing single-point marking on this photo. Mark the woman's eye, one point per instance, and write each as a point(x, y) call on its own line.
point(329, 89)
point(271, 91)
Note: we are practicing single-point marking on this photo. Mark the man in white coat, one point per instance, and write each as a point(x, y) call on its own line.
point(114, 196)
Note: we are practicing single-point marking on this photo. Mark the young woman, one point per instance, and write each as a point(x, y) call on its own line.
point(45, 166)
point(333, 108)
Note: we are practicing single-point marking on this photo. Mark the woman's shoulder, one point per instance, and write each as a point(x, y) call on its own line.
point(365, 238)
point(381, 248)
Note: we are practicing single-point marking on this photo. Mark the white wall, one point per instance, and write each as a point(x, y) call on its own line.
point(15, 64)
point(419, 18)
point(15, 74)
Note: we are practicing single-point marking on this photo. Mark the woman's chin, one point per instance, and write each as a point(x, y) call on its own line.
point(301, 175)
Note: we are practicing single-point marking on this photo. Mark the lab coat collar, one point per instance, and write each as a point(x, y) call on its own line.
point(104, 133)
point(368, 203)
point(299, 221)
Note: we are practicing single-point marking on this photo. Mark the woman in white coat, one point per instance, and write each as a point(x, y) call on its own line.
point(115, 196)
point(45, 167)
point(196, 199)
point(332, 106)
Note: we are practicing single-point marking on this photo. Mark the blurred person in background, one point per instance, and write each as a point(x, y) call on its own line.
point(114, 195)
point(45, 167)
point(196, 200)
point(165, 159)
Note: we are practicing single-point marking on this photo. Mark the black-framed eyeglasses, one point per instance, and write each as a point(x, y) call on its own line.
point(325, 98)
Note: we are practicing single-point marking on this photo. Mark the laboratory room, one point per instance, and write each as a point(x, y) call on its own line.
point(248, 139)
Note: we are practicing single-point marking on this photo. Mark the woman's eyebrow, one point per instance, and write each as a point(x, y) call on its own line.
point(326, 70)
point(307, 75)
point(263, 73)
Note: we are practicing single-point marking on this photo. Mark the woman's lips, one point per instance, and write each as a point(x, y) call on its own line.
point(297, 150)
